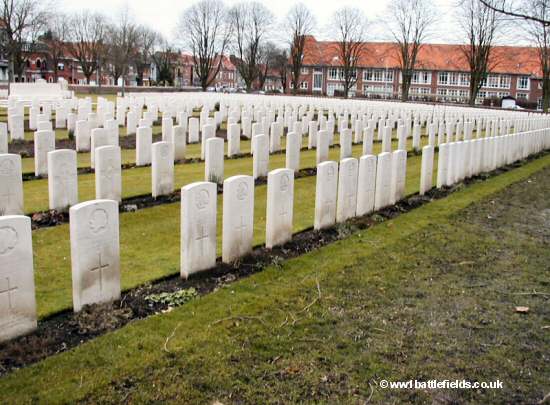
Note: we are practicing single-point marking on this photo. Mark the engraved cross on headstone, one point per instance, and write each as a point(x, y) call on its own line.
point(202, 236)
point(241, 228)
point(99, 268)
point(9, 291)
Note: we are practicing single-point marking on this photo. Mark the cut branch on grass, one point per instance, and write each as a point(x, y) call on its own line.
point(170, 337)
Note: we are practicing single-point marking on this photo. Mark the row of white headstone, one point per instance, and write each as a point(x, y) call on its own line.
point(351, 188)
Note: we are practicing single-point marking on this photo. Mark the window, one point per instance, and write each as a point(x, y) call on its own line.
point(303, 85)
point(453, 79)
point(38, 63)
point(523, 82)
point(464, 79)
point(521, 96)
point(317, 80)
point(421, 77)
point(481, 95)
point(304, 71)
point(378, 75)
point(443, 78)
point(60, 66)
point(464, 93)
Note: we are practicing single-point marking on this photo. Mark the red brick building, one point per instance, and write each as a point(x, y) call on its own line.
point(442, 74)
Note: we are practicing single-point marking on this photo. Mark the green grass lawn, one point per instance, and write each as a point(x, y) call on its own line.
point(137, 181)
point(427, 295)
point(150, 237)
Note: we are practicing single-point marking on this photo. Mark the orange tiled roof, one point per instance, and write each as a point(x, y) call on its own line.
point(505, 59)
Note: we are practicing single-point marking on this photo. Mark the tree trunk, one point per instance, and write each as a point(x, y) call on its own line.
point(404, 89)
point(545, 91)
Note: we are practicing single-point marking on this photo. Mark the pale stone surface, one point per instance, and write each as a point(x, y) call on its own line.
point(111, 126)
point(382, 196)
point(260, 161)
point(167, 129)
point(131, 123)
point(368, 139)
point(198, 227)
point(162, 169)
point(17, 293)
point(416, 137)
point(233, 140)
point(292, 153)
point(17, 127)
point(144, 140)
point(82, 136)
point(452, 165)
point(399, 175)
point(99, 137)
point(386, 140)
point(11, 185)
point(44, 142)
point(193, 130)
point(275, 137)
point(213, 162)
point(95, 252)
point(280, 206)
point(426, 171)
point(366, 185)
point(312, 135)
point(401, 138)
point(180, 142)
point(322, 146)
point(442, 165)
point(345, 144)
point(108, 174)
point(3, 137)
point(208, 131)
point(347, 189)
point(326, 192)
point(44, 126)
point(238, 217)
point(62, 179)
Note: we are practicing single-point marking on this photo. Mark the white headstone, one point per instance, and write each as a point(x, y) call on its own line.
point(208, 131)
point(345, 144)
point(213, 162)
point(95, 252)
point(180, 142)
point(293, 147)
point(82, 136)
point(3, 137)
point(17, 293)
point(442, 165)
point(326, 191)
point(238, 217)
point(44, 142)
point(322, 146)
point(280, 206)
point(347, 189)
point(144, 140)
point(261, 155)
point(62, 179)
point(382, 195)
point(99, 137)
point(11, 185)
point(233, 140)
point(193, 130)
point(426, 172)
point(162, 169)
point(366, 185)
point(108, 174)
point(198, 227)
point(399, 175)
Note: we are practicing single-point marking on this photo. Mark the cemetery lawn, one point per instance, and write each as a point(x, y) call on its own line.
point(430, 294)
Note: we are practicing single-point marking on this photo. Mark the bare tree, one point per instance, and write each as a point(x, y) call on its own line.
point(23, 21)
point(121, 45)
point(87, 41)
point(206, 31)
point(279, 62)
point(350, 25)
point(534, 17)
point(145, 48)
point(480, 26)
point(299, 23)
point(250, 22)
point(409, 22)
point(55, 39)
point(164, 59)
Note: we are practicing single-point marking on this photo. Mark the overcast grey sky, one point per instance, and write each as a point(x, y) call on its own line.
point(163, 15)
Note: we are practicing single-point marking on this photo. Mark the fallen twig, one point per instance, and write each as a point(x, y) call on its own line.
point(240, 318)
point(315, 300)
point(170, 337)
